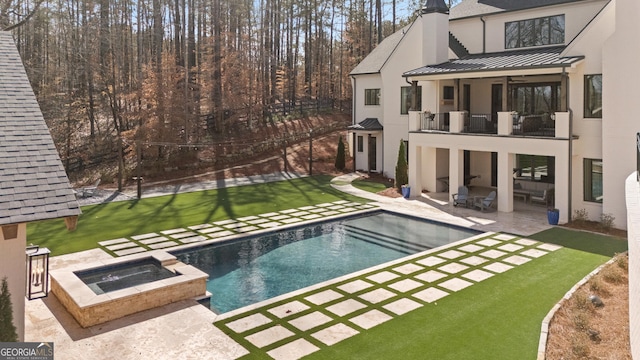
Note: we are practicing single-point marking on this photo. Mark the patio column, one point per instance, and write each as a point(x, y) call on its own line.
point(561, 185)
point(506, 162)
point(456, 169)
point(415, 169)
point(429, 171)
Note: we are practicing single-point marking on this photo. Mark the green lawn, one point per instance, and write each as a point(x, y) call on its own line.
point(126, 218)
point(498, 318)
point(370, 186)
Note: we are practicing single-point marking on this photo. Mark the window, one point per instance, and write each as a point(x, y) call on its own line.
point(593, 180)
point(535, 99)
point(447, 92)
point(372, 96)
point(405, 99)
point(534, 32)
point(593, 96)
point(360, 143)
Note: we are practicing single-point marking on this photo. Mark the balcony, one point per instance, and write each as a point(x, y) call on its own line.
point(554, 125)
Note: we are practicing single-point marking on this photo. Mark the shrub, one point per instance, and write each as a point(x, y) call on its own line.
point(340, 157)
point(606, 221)
point(580, 215)
point(623, 261)
point(402, 169)
point(7, 329)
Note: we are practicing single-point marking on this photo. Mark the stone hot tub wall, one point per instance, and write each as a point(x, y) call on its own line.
point(91, 309)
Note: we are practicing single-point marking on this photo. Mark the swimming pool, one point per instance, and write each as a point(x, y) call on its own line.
point(258, 268)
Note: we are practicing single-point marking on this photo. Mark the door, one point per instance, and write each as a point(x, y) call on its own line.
point(467, 168)
point(496, 102)
point(373, 158)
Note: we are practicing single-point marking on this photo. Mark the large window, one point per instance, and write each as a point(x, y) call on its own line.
point(593, 180)
point(372, 96)
point(593, 96)
point(535, 99)
point(534, 32)
point(360, 143)
point(405, 99)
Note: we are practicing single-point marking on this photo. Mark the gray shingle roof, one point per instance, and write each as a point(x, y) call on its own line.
point(33, 183)
point(508, 60)
point(469, 8)
point(373, 63)
point(370, 124)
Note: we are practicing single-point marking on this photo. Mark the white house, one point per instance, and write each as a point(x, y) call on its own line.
point(33, 183)
point(509, 94)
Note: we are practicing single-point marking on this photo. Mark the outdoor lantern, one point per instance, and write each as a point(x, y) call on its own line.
point(37, 272)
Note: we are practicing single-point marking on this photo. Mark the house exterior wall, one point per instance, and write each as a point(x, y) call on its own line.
point(632, 190)
point(13, 266)
point(470, 30)
point(620, 97)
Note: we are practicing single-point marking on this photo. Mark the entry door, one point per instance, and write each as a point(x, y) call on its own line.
point(373, 159)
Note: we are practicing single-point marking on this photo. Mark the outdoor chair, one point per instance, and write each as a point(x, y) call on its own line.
point(484, 203)
point(90, 190)
point(461, 197)
point(539, 197)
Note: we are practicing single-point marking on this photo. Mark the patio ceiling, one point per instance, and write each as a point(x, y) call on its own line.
point(537, 61)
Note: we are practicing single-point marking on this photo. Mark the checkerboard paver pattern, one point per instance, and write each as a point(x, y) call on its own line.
point(223, 229)
point(342, 310)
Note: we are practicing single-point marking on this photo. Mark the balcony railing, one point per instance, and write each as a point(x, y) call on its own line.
point(481, 124)
point(439, 121)
point(534, 125)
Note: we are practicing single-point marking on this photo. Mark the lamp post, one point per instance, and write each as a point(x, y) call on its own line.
point(37, 272)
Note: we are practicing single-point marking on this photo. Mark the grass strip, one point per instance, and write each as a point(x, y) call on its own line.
point(126, 218)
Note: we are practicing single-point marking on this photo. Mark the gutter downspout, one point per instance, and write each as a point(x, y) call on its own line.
point(570, 190)
point(484, 34)
point(353, 121)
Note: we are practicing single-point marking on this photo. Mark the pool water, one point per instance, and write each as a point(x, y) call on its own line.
point(111, 278)
point(258, 268)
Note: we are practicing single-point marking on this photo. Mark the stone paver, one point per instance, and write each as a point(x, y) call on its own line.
point(504, 237)
point(431, 261)
point(200, 227)
point(112, 242)
point(293, 350)
point(382, 277)
point(355, 286)
point(370, 319)
point(225, 222)
point(269, 336)
point(451, 254)
point(550, 247)
point(173, 231)
point(163, 245)
point(377, 295)
point(489, 242)
point(234, 226)
point(257, 221)
point(130, 251)
point(493, 254)
point(299, 213)
point(334, 334)
point(121, 246)
point(534, 253)
point(477, 275)
point(312, 216)
point(346, 307)
point(183, 235)
point(402, 306)
point(430, 295)
point(247, 218)
point(289, 211)
point(220, 234)
point(290, 220)
point(406, 285)
point(271, 214)
point(248, 323)
point(211, 229)
point(453, 268)
point(269, 224)
point(329, 213)
point(498, 267)
point(144, 236)
point(323, 297)
point(408, 268)
point(516, 260)
point(510, 247)
point(246, 228)
point(288, 309)
point(455, 284)
point(474, 260)
point(153, 240)
point(471, 248)
point(193, 239)
point(431, 276)
point(310, 321)
point(526, 242)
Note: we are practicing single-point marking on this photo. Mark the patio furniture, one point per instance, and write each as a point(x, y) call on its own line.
point(539, 197)
point(461, 197)
point(484, 203)
point(89, 190)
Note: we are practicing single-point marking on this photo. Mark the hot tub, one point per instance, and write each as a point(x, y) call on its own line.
point(115, 288)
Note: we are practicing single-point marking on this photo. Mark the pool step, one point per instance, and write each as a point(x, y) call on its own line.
point(389, 242)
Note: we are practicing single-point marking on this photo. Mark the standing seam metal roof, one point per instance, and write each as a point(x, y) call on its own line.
point(33, 183)
point(507, 60)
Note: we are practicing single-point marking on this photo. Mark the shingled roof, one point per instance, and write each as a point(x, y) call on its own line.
point(33, 183)
point(471, 8)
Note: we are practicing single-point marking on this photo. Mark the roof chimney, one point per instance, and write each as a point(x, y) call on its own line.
point(435, 32)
